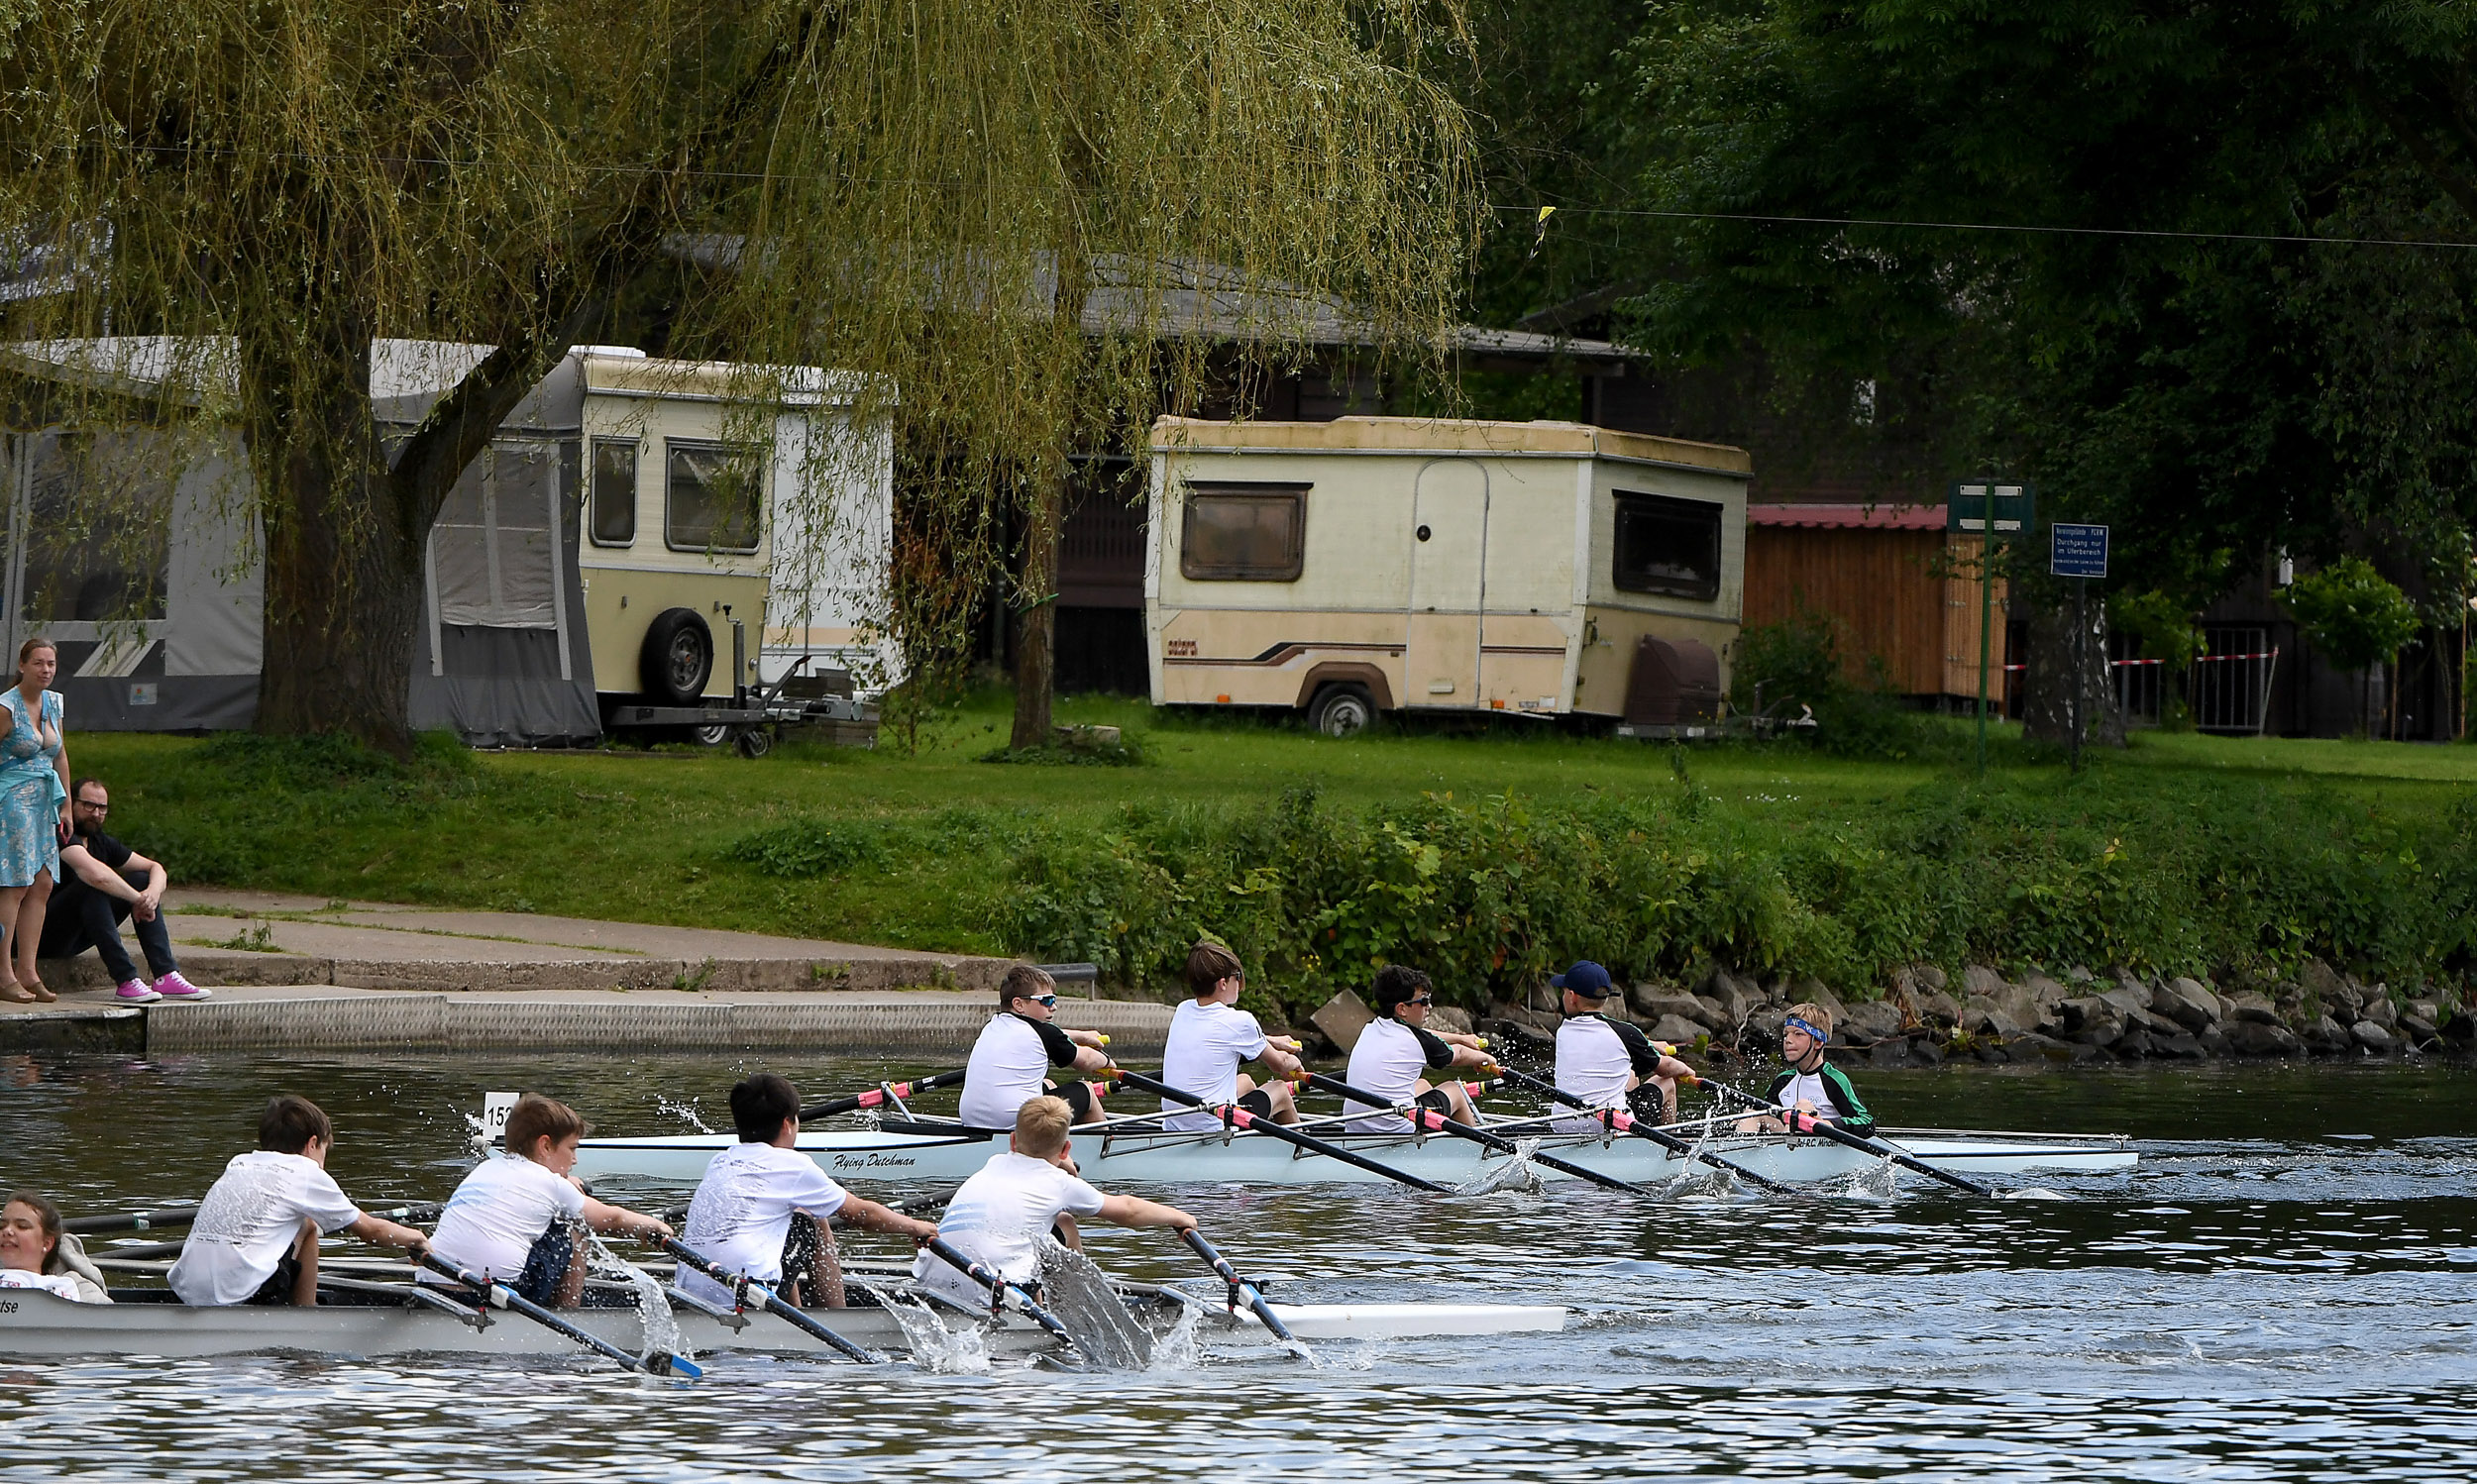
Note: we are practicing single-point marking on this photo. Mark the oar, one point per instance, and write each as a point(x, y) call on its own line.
point(880, 1095)
point(1439, 1122)
point(182, 1215)
point(657, 1363)
point(744, 1287)
point(1001, 1289)
point(1240, 1117)
point(1240, 1288)
point(1875, 1147)
point(1625, 1123)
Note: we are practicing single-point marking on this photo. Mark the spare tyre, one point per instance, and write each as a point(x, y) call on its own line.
point(677, 658)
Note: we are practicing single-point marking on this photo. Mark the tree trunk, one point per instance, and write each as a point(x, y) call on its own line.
point(1037, 622)
point(2047, 709)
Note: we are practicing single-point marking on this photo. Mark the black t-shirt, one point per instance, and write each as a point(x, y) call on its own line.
point(71, 889)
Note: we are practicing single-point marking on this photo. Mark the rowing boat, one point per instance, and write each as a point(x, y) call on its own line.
point(936, 1149)
point(37, 1324)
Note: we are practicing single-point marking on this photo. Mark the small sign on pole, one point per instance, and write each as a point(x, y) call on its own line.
point(1968, 508)
point(2077, 551)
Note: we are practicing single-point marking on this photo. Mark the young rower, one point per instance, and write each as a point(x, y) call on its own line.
point(1601, 1060)
point(744, 1214)
point(1210, 1038)
point(1810, 1087)
point(999, 1216)
point(255, 1237)
point(36, 1253)
point(1019, 1045)
point(509, 1219)
point(1397, 1047)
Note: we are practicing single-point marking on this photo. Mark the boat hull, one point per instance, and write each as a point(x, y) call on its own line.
point(904, 1154)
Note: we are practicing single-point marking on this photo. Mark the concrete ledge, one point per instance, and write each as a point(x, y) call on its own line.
point(223, 966)
point(121, 1028)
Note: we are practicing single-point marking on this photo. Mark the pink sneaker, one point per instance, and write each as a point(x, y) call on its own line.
point(172, 986)
point(134, 991)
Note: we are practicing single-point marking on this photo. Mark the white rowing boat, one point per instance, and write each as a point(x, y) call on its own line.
point(931, 1149)
point(34, 1323)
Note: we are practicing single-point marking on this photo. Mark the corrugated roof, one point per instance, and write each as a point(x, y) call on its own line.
point(1848, 517)
point(1442, 436)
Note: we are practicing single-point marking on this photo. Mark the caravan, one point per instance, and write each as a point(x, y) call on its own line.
point(1386, 564)
point(626, 552)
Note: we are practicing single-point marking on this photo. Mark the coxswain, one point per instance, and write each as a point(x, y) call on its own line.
point(756, 1212)
point(255, 1237)
point(509, 1221)
point(1397, 1049)
point(1210, 1038)
point(1600, 1059)
point(1016, 1049)
point(1000, 1216)
point(1810, 1088)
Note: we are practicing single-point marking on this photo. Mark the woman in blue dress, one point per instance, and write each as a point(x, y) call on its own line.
point(34, 814)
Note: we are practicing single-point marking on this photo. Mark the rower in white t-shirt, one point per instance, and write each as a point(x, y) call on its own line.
point(1000, 1216)
point(255, 1237)
point(745, 1216)
point(508, 1222)
point(1601, 1060)
point(1210, 1038)
point(1397, 1049)
point(1010, 1061)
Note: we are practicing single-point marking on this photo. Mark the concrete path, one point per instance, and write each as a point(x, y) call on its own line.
point(300, 973)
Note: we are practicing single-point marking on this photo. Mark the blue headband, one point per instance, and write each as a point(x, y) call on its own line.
point(1794, 1023)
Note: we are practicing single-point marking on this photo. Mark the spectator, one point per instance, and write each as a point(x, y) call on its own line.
point(34, 814)
point(104, 882)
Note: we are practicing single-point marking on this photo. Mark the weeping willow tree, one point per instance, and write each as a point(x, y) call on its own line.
point(1028, 226)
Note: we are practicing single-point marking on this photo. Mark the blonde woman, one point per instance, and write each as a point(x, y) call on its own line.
point(34, 814)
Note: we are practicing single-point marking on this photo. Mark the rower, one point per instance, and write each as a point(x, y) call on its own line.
point(999, 1216)
point(1397, 1046)
point(1601, 1060)
point(745, 1213)
point(1021, 1044)
point(1810, 1086)
point(255, 1237)
point(509, 1221)
point(1210, 1038)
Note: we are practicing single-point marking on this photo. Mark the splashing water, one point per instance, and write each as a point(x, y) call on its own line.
point(478, 1138)
point(1515, 1174)
point(2032, 1192)
point(1179, 1350)
point(1074, 1288)
point(1880, 1181)
point(658, 1326)
point(685, 1112)
point(935, 1347)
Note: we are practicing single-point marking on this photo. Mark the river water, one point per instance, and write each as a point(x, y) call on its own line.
point(2282, 1291)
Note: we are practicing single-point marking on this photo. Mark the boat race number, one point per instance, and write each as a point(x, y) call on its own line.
point(1965, 513)
point(2077, 551)
point(496, 1107)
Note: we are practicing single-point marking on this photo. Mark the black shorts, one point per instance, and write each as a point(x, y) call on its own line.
point(1436, 1098)
point(1076, 1095)
point(1257, 1102)
point(277, 1289)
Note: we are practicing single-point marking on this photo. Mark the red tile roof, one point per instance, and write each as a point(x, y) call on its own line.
point(1867, 517)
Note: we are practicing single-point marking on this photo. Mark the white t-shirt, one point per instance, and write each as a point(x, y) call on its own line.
point(742, 1212)
point(251, 1218)
point(51, 1283)
point(998, 1217)
point(1810, 1087)
point(1596, 1058)
point(1390, 1059)
point(499, 1212)
point(1207, 1041)
point(1009, 1064)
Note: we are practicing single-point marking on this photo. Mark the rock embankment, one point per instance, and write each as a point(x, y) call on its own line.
point(1924, 1017)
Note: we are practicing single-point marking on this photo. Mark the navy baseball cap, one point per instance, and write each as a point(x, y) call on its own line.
point(1585, 978)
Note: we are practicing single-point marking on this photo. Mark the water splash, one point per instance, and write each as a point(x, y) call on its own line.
point(1515, 1174)
point(1088, 1303)
point(1178, 1349)
point(658, 1326)
point(1702, 1181)
point(684, 1112)
point(477, 1137)
point(935, 1347)
point(2032, 1192)
point(1880, 1181)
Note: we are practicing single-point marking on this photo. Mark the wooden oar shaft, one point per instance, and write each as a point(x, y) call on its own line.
point(1001, 1288)
point(1439, 1122)
point(879, 1097)
point(503, 1297)
point(1629, 1126)
point(1242, 1287)
point(1242, 1119)
point(1876, 1147)
point(743, 1288)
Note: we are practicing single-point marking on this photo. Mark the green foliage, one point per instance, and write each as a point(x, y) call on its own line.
point(2352, 613)
point(806, 847)
point(2159, 626)
point(1797, 662)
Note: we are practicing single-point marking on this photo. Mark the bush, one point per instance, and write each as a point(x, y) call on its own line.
point(802, 848)
point(1797, 663)
point(2352, 613)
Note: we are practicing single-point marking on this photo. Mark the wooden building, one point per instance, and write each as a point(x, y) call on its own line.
point(1898, 588)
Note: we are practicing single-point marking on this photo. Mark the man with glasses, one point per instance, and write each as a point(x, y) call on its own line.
point(1397, 1048)
point(103, 882)
point(1211, 1039)
point(1010, 1061)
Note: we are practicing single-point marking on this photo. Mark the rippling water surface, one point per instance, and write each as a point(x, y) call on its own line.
point(2282, 1291)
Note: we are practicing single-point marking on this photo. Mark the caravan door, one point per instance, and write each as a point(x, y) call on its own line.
point(1448, 561)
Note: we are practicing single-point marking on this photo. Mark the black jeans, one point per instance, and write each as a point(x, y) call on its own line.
point(95, 923)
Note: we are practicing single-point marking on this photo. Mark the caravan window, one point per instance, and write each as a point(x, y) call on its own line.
point(1243, 533)
point(709, 501)
point(493, 558)
point(614, 491)
point(1668, 546)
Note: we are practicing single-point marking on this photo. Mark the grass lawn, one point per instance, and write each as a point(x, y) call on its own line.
point(647, 836)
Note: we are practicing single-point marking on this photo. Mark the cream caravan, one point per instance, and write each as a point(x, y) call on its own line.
point(1376, 563)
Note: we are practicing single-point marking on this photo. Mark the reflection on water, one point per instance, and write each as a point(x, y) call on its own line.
point(2280, 1292)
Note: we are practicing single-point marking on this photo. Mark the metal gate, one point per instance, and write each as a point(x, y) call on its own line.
point(2230, 683)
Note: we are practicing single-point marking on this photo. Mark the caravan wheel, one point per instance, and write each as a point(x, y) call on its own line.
point(709, 736)
point(755, 742)
point(1342, 710)
point(677, 658)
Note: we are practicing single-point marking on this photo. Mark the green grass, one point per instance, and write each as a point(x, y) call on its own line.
point(919, 849)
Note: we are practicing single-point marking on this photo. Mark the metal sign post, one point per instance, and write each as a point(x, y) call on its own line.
point(2002, 512)
point(2079, 552)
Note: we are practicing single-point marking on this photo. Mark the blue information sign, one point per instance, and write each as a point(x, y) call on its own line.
point(2077, 551)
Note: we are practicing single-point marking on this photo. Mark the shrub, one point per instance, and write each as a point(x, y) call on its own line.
point(802, 848)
